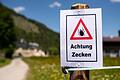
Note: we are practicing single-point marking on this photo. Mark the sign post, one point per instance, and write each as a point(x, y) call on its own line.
point(81, 39)
point(82, 75)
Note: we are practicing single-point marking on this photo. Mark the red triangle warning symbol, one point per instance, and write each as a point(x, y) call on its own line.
point(81, 32)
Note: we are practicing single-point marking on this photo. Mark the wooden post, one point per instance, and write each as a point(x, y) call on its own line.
point(79, 75)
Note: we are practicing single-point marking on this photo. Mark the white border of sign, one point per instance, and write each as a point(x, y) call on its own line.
point(64, 62)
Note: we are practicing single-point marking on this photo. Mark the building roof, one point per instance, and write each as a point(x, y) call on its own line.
point(111, 39)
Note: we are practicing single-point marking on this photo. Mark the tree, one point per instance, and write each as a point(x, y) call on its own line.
point(7, 36)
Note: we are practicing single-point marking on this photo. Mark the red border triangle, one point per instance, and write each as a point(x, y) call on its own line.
point(81, 38)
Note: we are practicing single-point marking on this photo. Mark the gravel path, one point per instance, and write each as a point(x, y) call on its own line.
point(15, 71)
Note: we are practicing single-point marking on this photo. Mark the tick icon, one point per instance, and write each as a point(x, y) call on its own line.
point(81, 32)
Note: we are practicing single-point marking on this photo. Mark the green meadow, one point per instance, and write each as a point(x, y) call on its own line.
point(109, 74)
point(4, 62)
point(44, 68)
point(48, 68)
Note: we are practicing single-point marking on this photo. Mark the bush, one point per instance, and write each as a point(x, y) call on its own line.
point(9, 52)
point(53, 51)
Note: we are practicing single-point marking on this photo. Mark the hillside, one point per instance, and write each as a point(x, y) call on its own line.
point(33, 31)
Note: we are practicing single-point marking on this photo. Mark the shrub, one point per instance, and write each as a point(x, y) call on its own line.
point(9, 52)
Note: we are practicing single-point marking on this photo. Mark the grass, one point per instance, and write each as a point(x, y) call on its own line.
point(110, 74)
point(48, 68)
point(44, 68)
point(4, 62)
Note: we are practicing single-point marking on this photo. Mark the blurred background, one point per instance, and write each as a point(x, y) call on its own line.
point(30, 37)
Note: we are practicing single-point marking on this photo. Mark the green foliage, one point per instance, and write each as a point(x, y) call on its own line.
point(53, 51)
point(110, 74)
point(4, 61)
point(48, 68)
point(9, 52)
point(7, 36)
point(44, 68)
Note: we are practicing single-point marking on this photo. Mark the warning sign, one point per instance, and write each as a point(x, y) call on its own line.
point(81, 38)
point(81, 32)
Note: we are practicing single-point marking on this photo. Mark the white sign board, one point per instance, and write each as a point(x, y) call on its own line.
point(81, 38)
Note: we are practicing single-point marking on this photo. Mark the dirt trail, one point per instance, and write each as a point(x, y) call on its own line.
point(15, 71)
